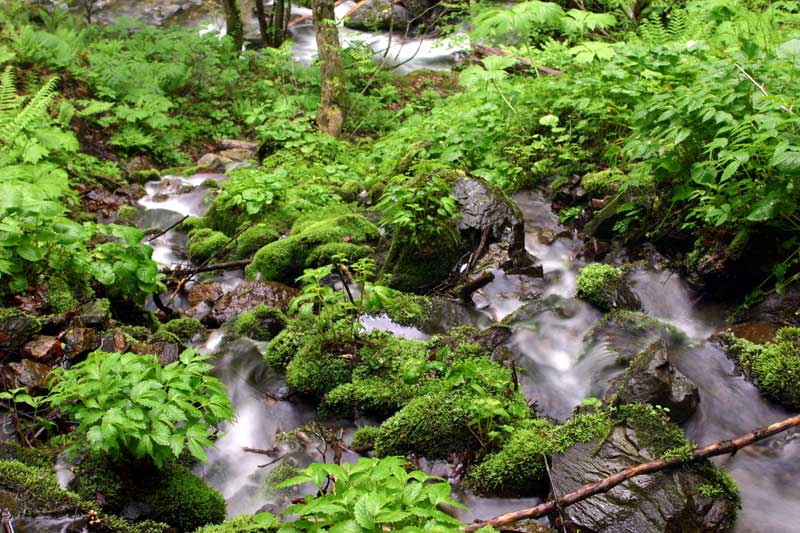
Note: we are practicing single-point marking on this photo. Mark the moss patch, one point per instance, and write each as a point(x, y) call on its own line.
point(598, 283)
point(205, 243)
point(253, 239)
point(261, 324)
point(185, 328)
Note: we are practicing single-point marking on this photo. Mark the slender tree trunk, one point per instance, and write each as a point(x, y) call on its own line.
point(233, 23)
point(278, 23)
point(330, 117)
point(263, 24)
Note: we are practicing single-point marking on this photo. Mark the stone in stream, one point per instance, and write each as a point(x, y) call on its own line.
point(16, 327)
point(379, 15)
point(249, 295)
point(777, 308)
point(484, 207)
point(652, 378)
point(666, 501)
point(205, 292)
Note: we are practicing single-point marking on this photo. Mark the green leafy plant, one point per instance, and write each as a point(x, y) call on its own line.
point(370, 496)
point(129, 406)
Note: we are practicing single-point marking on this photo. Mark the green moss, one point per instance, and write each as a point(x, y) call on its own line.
point(598, 283)
point(258, 523)
point(164, 336)
point(278, 475)
point(775, 367)
point(143, 176)
point(365, 437)
point(183, 500)
point(409, 309)
point(98, 474)
point(190, 224)
point(36, 457)
point(285, 259)
point(372, 396)
point(253, 239)
point(205, 243)
point(603, 182)
point(184, 328)
point(418, 269)
point(431, 425)
point(325, 254)
point(261, 324)
point(35, 490)
point(60, 298)
point(385, 355)
point(138, 333)
point(283, 347)
point(314, 372)
point(18, 325)
point(127, 213)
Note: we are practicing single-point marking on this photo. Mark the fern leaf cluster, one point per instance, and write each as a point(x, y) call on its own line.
point(15, 117)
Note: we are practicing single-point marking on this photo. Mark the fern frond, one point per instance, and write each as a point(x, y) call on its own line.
point(35, 109)
point(9, 101)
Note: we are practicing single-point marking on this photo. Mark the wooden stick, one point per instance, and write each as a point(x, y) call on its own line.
point(604, 485)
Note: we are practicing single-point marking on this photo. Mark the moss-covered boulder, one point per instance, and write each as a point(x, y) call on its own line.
point(283, 347)
point(605, 287)
point(262, 323)
point(257, 523)
point(185, 329)
point(31, 491)
point(16, 328)
point(420, 269)
point(370, 396)
point(253, 239)
point(603, 182)
point(205, 243)
point(248, 296)
point(315, 372)
point(773, 367)
point(284, 260)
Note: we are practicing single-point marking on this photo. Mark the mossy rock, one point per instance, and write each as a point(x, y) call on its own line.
point(365, 437)
point(33, 491)
point(205, 243)
point(605, 287)
point(185, 328)
point(190, 224)
point(385, 355)
point(279, 474)
point(603, 182)
point(283, 347)
point(410, 310)
point(336, 252)
point(98, 477)
point(371, 396)
point(262, 323)
point(183, 500)
point(773, 367)
point(165, 337)
point(60, 298)
point(253, 239)
point(284, 260)
point(315, 372)
point(16, 327)
point(257, 523)
point(418, 269)
point(127, 214)
point(36, 457)
point(432, 425)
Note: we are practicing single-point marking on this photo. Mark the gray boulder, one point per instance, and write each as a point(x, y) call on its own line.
point(652, 378)
point(667, 501)
point(379, 15)
point(485, 207)
point(250, 295)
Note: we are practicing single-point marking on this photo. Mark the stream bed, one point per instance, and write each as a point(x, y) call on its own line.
point(561, 365)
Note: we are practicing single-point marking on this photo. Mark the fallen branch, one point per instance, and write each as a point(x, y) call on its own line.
point(473, 285)
point(270, 452)
point(189, 271)
point(604, 485)
point(481, 50)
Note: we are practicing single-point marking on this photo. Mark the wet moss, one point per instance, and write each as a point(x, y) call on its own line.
point(164, 336)
point(205, 243)
point(326, 254)
point(315, 372)
point(284, 260)
point(253, 239)
point(34, 490)
point(97, 477)
point(127, 213)
point(258, 523)
point(283, 347)
point(365, 437)
point(419, 269)
point(184, 328)
point(35, 457)
point(183, 500)
point(598, 283)
point(603, 182)
point(278, 475)
point(262, 323)
point(774, 367)
point(371, 396)
point(59, 296)
point(190, 224)
point(409, 309)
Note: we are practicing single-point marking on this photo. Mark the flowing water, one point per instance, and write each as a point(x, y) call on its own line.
point(561, 366)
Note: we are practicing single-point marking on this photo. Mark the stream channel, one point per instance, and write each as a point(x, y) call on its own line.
point(561, 365)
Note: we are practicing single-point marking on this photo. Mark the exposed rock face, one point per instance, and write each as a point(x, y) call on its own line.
point(485, 207)
point(651, 378)
point(42, 348)
point(95, 314)
point(250, 295)
point(666, 501)
point(379, 14)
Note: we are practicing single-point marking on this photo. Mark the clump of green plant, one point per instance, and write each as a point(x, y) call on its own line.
point(128, 405)
point(256, 523)
point(773, 367)
point(371, 495)
point(599, 284)
point(185, 328)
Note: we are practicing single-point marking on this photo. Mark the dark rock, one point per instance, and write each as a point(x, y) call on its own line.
point(79, 341)
point(16, 328)
point(777, 308)
point(249, 295)
point(626, 334)
point(485, 207)
point(25, 373)
point(380, 15)
point(207, 292)
point(42, 348)
point(114, 343)
point(95, 314)
point(652, 378)
point(667, 501)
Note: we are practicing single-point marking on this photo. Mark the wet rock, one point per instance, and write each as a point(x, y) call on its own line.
point(159, 219)
point(237, 154)
point(95, 314)
point(667, 501)
point(207, 292)
point(16, 328)
point(652, 378)
point(484, 207)
point(167, 352)
point(758, 332)
point(25, 373)
point(625, 334)
point(250, 295)
point(42, 348)
point(79, 341)
point(777, 308)
point(227, 144)
point(138, 164)
point(379, 14)
point(213, 162)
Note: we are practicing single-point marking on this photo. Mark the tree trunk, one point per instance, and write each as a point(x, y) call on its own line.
point(263, 24)
point(233, 23)
point(330, 117)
